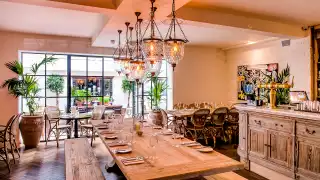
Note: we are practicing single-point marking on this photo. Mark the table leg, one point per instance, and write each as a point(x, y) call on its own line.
point(76, 128)
point(69, 132)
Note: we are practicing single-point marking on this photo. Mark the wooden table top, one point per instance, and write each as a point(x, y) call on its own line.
point(70, 117)
point(172, 162)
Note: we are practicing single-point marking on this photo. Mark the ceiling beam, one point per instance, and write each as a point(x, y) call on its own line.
point(267, 27)
point(125, 13)
point(69, 6)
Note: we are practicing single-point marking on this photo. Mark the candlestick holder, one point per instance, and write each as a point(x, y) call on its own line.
point(273, 86)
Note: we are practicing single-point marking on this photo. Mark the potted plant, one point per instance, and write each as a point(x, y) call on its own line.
point(26, 86)
point(80, 95)
point(127, 87)
point(106, 100)
point(159, 86)
point(55, 84)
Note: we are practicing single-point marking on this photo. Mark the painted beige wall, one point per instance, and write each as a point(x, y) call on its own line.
point(200, 76)
point(12, 42)
point(297, 55)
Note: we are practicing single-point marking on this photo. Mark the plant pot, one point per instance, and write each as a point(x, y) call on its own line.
point(156, 117)
point(31, 128)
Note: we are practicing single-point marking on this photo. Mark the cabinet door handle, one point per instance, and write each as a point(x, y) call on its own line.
point(257, 122)
point(276, 124)
point(310, 132)
point(243, 138)
point(267, 145)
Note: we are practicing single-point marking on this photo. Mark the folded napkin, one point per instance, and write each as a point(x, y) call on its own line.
point(189, 142)
point(132, 161)
point(113, 144)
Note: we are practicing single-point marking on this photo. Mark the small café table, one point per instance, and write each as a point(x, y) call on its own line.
point(171, 162)
point(75, 118)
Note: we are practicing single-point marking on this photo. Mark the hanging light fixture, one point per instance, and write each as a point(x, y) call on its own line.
point(138, 65)
point(117, 54)
point(173, 46)
point(126, 55)
point(152, 44)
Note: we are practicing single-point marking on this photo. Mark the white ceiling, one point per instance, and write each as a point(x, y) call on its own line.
point(304, 12)
point(47, 20)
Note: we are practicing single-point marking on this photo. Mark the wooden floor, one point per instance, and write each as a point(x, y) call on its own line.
point(47, 163)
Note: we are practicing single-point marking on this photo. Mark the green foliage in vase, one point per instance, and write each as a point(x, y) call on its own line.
point(159, 86)
point(26, 84)
point(106, 99)
point(127, 87)
point(55, 83)
point(282, 96)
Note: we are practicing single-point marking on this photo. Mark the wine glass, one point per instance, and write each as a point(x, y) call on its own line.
point(153, 143)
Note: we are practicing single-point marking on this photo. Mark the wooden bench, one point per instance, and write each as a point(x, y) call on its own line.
point(81, 163)
point(225, 176)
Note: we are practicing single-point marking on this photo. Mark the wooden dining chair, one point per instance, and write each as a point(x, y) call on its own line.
point(216, 127)
point(169, 120)
point(232, 124)
point(196, 127)
point(97, 114)
point(192, 106)
point(52, 116)
point(7, 140)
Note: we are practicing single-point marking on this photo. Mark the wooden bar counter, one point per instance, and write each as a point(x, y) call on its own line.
point(278, 143)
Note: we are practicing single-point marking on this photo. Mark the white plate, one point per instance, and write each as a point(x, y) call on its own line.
point(206, 150)
point(123, 151)
point(167, 132)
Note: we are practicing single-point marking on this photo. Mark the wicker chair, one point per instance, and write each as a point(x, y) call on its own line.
point(52, 115)
point(7, 138)
point(196, 127)
point(216, 127)
point(171, 120)
point(232, 124)
point(97, 114)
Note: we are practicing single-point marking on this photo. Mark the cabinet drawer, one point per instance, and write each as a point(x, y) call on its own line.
point(308, 130)
point(270, 123)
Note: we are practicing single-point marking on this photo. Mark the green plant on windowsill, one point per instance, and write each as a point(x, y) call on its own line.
point(159, 86)
point(106, 99)
point(80, 95)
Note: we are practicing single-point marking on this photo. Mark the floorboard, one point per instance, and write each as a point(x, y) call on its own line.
point(47, 163)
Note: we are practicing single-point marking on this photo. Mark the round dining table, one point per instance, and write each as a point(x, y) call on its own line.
point(74, 118)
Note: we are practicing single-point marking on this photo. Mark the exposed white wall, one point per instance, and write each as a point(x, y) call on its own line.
point(297, 56)
point(201, 76)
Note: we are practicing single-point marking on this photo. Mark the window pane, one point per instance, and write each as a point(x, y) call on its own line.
point(56, 86)
point(29, 59)
point(41, 85)
point(59, 66)
point(94, 86)
point(94, 66)
point(78, 66)
point(163, 71)
point(58, 102)
point(108, 87)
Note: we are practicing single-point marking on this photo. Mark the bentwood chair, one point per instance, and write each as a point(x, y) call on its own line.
point(192, 106)
point(216, 127)
point(52, 115)
point(97, 114)
point(7, 138)
point(196, 127)
point(232, 124)
point(169, 121)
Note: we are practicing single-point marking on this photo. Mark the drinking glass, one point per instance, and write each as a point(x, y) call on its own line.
point(153, 143)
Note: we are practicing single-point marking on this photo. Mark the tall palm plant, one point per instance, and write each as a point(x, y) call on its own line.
point(159, 86)
point(26, 84)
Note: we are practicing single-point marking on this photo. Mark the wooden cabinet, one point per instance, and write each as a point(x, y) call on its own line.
point(257, 140)
point(242, 147)
point(280, 148)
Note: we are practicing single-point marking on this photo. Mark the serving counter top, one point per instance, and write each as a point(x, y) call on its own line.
point(283, 112)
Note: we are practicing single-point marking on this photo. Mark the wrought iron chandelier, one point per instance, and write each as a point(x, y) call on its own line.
point(152, 44)
point(126, 54)
point(173, 46)
point(117, 54)
point(138, 65)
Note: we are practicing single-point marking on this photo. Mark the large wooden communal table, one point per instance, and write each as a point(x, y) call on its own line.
point(172, 162)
